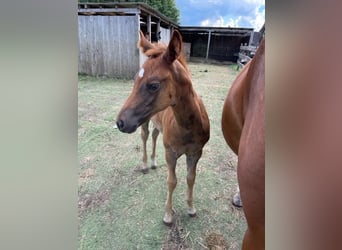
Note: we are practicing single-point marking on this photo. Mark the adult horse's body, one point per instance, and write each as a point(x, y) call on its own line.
point(163, 92)
point(243, 126)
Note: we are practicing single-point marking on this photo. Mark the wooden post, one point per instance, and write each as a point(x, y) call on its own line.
point(138, 20)
point(208, 46)
point(149, 26)
point(158, 30)
point(251, 38)
point(142, 57)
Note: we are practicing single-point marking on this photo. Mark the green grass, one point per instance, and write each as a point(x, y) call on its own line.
point(121, 208)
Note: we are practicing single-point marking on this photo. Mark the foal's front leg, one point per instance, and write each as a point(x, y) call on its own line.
point(191, 161)
point(171, 161)
point(144, 136)
point(155, 134)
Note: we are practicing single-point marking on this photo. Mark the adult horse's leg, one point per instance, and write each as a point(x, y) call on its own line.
point(155, 134)
point(252, 192)
point(171, 161)
point(251, 177)
point(236, 198)
point(191, 162)
point(144, 136)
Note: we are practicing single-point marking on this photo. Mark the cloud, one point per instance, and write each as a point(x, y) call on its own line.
point(259, 19)
point(254, 20)
point(234, 22)
point(215, 1)
point(219, 13)
point(220, 22)
point(256, 2)
point(213, 22)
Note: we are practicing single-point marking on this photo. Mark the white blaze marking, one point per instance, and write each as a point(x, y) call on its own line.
point(141, 72)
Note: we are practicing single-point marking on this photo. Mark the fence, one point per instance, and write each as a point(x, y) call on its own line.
point(245, 55)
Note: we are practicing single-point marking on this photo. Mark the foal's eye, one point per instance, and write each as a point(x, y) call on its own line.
point(153, 87)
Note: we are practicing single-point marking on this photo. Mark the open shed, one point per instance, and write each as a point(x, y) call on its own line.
point(216, 43)
point(108, 35)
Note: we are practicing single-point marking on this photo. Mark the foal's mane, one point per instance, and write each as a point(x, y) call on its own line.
point(159, 49)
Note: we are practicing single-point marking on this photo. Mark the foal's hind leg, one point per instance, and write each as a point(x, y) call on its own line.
point(144, 136)
point(155, 134)
point(171, 160)
point(191, 161)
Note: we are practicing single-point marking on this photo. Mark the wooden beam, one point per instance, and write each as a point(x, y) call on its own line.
point(251, 38)
point(208, 46)
point(149, 26)
point(142, 8)
point(244, 57)
point(118, 10)
point(158, 30)
point(249, 48)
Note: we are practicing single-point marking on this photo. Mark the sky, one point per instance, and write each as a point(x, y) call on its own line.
point(222, 13)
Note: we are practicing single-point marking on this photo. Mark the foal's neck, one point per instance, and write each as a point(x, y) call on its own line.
point(187, 110)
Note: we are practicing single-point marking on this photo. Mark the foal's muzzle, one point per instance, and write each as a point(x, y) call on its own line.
point(129, 119)
point(120, 124)
point(125, 127)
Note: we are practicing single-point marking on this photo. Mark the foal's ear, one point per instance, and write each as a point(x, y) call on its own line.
point(175, 47)
point(143, 43)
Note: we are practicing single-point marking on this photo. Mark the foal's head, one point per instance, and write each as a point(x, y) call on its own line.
point(155, 85)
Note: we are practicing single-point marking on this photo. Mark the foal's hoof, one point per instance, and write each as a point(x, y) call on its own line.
point(237, 200)
point(144, 170)
point(192, 212)
point(153, 163)
point(168, 219)
point(166, 223)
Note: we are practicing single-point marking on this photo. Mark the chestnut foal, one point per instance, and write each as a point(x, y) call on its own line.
point(163, 92)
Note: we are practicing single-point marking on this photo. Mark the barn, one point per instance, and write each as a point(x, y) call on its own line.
point(108, 34)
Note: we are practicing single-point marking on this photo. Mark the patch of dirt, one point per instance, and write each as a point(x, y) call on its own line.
point(85, 175)
point(208, 61)
point(87, 159)
point(90, 201)
point(137, 148)
point(176, 238)
point(89, 112)
point(228, 167)
point(215, 241)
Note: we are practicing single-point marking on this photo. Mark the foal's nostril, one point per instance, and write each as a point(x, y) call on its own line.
point(120, 124)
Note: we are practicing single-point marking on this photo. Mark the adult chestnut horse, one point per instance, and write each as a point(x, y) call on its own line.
point(243, 126)
point(163, 92)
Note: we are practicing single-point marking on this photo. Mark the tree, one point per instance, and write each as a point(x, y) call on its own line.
point(166, 7)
